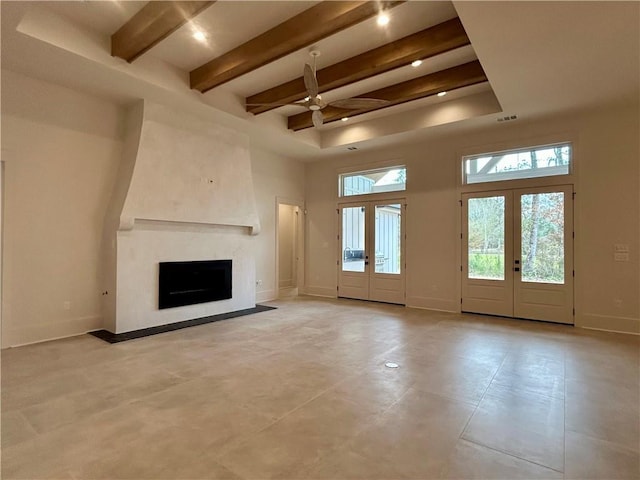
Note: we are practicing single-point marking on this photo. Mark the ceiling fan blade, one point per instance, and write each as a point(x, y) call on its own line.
point(359, 103)
point(310, 81)
point(317, 119)
point(299, 103)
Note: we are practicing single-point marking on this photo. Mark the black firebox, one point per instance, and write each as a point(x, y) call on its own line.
point(188, 283)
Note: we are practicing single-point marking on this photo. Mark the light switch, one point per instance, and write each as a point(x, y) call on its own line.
point(621, 247)
point(621, 256)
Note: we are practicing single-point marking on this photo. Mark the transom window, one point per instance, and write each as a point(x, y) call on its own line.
point(543, 161)
point(389, 179)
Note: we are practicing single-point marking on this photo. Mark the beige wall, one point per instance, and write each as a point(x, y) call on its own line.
point(274, 177)
point(62, 150)
point(607, 160)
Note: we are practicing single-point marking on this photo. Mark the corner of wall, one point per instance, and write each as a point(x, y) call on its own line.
point(112, 220)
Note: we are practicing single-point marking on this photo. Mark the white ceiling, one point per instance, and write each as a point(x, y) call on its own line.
point(541, 58)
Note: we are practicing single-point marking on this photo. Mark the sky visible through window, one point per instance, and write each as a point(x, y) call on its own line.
point(373, 181)
point(536, 162)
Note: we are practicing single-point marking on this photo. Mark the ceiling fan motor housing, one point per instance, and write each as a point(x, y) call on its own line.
point(316, 103)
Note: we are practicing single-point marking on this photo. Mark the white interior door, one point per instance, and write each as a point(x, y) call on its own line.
point(371, 245)
point(517, 255)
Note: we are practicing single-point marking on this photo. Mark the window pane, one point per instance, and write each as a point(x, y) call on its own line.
point(353, 241)
point(373, 181)
point(388, 228)
point(543, 237)
point(486, 238)
point(517, 164)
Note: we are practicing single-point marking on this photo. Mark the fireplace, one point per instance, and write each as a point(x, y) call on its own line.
point(189, 283)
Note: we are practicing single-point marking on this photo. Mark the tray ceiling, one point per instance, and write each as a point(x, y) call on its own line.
point(254, 52)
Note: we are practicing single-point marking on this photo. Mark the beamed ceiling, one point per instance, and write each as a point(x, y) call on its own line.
point(246, 69)
point(156, 21)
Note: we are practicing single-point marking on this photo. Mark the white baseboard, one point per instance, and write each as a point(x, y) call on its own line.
point(431, 303)
point(55, 330)
point(288, 292)
point(266, 295)
point(608, 323)
point(320, 291)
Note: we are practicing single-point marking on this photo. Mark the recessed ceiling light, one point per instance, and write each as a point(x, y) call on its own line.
point(416, 63)
point(383, 19)
point(199, 36)
point(442, 94)
point(344, 119)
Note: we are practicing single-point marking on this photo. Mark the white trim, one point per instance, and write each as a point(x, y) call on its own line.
point(44, 332)
point(266, 296)
point(435, 304)
point(378, 165)
point(326, 292)
point(299, 246)
point(607, 323)
point(352, 172)
point(17, 345)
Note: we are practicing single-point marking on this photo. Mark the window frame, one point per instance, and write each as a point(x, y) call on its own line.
point(560, 178)
point(351, 172)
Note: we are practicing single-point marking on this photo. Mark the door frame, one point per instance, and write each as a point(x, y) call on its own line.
point(370, 203)
point(512, 192)
point(298, 247)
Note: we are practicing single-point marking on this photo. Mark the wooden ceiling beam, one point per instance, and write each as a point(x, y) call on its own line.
point(445, 80)
point(153, 23)
point(302, 30)
point(428, 43)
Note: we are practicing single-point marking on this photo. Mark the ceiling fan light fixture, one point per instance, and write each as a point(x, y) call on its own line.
point(442, 94)
point(383, 19)
point(416, 63)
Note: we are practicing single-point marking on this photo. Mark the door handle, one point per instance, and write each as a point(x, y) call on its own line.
point(517, 269)
point(366, 263)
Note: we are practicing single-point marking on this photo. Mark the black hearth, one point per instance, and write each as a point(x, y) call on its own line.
point(188, 283)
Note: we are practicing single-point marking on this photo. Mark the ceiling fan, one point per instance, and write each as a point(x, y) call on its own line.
point(314, 102)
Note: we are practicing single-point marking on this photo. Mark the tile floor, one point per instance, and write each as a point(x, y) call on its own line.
point(302, 392)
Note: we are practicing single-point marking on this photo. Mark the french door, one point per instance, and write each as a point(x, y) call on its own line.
point(371, 261)
point(517, 253)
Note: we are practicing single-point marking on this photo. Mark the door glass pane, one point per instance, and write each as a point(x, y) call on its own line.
point(388, 238)
point(486, 238)
point(353, 239)
point(543, 237)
